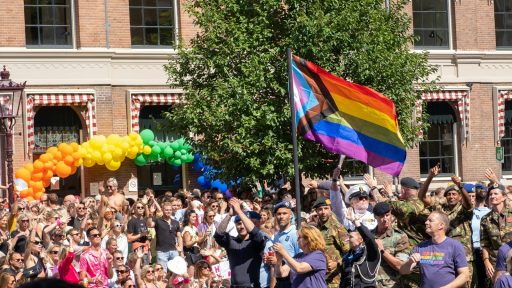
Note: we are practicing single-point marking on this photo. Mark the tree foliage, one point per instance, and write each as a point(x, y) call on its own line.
point(234, 73)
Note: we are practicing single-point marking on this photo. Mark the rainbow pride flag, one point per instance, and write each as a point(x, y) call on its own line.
point(347, 118)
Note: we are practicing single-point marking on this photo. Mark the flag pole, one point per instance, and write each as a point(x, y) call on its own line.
point(294, 137)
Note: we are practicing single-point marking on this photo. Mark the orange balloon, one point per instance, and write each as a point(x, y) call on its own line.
point(75, 146)
point(65, 149)
point(29, 198)
point(37, 196)
point(38, 165)
point(76, 155)
point(47, 174)
point(69, 160)
point(58, 156)
point(52, 150)
point(37, 176)
point(29, 167)
point(37, 186)
point(49, 165)
point(62, 170)
point(24, 174)
point(30, 192)
point(73, 170)
point(46, 183)
point(23, 193)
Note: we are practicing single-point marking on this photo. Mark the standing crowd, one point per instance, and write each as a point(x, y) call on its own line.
point(365, 235)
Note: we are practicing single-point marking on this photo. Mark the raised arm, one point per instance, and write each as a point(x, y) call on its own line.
point(372, 183)
point(422, 193)
point(337, 204)
point(235, 205)
point(466, 200)
point(491, 176)
point(223, 226)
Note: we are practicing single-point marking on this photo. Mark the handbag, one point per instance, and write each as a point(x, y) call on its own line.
point(192, 255)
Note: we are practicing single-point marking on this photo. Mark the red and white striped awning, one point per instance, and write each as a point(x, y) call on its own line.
point(503, 96)
point(148, 98)
point(60, 99)
point(461, 97)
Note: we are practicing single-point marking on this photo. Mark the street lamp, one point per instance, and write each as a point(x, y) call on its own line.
point(11, 96)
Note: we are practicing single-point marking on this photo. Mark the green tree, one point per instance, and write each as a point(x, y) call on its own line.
point(234, 73)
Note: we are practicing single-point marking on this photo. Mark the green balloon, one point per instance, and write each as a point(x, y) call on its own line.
point(174, 145)
point(183, 158)
point(183, 152)
point(161, 145)
point(190, 158)
point(155, 150)
point(181, 142)
point(168, 152)
point(176, 162)
point(147, 136)
point(177, 154)
point(140, 160)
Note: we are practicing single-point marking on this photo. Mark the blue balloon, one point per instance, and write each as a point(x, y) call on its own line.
point(201, 180)
point(223, 187)
point(197, 164)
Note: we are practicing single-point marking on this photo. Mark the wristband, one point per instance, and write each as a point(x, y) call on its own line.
point(373, 188)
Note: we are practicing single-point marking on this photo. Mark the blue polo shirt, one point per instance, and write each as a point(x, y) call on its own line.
point(289, 239)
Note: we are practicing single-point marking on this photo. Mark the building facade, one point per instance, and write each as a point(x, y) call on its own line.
point(95, 67)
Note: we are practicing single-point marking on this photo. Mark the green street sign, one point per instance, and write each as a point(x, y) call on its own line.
point(500, 154)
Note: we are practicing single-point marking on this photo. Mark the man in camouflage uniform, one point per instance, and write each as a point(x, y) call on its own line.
point(495, 227)
point(411, 216)
point(459, 210)
point(393, 245)
point(336, 240)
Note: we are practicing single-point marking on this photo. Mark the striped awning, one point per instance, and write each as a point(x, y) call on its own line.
point(502, 97)
point(460, 97)
point(60, 99)
point(139, 99)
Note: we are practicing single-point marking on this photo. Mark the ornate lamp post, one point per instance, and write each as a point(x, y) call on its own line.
point(11, 96)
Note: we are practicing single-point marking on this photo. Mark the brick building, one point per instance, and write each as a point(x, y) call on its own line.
point(96, 67)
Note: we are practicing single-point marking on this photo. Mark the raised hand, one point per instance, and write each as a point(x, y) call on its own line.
point(369, 180)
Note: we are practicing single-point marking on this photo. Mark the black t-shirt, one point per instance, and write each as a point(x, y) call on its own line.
point(137, 226)
point(244, 257)
point(166, 234)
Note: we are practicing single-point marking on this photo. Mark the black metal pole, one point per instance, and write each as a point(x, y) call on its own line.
point(10, 170)
point(294, 138)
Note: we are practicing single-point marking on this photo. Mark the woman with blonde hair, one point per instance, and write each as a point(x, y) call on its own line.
point(307, 268)
point(7, 280)
point(145, 278)
point(52, 259)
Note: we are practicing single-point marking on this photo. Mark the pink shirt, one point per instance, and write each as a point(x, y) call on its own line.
point(95, 267)
point(67, 271)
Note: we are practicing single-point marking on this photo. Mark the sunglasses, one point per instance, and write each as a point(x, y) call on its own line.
point(60, 236)
point(361, 198)
point(54, 252)
point(121, 271)
point(140, 207)
point(150, 271)
point(110, 187)
point(21, 209)
point(94, 235)
point(119, 258)
point(75, 234)
point(18, 260)
point(215, 206)
point(158, 269)
point(81, 208)
point(37, 242)
point(25, 221)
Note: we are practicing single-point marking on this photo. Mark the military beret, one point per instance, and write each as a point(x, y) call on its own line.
point(322, 201)
point(284, 204)
point(250, 215)
point(409, 183)
point(480, 186)
point(381, 208)
point(357, 191)
point(470, 188)
point(496, 186)
point(451, 188)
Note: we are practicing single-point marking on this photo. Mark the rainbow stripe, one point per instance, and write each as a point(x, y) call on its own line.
point(347, 118)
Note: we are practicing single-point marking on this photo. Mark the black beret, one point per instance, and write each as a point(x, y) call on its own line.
point(250, 215)
point(381, 208)
point(322, 201)
point(409, 183)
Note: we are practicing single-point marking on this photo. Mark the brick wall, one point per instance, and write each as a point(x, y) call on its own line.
point(473, 25)
point(12, 23)
point(119, 17)
point(187, 28)
point(91, 23)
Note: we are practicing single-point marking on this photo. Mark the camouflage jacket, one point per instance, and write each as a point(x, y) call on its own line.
point(495, 230)
point(336, 244)
point(411, 215)
point(396, 243)
point(460, 225)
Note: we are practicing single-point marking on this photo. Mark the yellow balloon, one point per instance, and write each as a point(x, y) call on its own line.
point(113, 139)
point(100, 162)
point(131, 154)
point(78, 162)
point(134, 136)
point(89, 162)
point(113, 165)
point(96, 156)
point(107, 157)
point(146, 150)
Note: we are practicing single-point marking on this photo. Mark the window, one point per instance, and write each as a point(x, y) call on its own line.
point(506, 141)
point(503, 23)
point(353, 170)
point(48, 23)
point(430, 24)
point(152, 23)
point(439, 145)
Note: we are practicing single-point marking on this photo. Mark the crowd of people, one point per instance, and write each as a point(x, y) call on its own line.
point(365, 235)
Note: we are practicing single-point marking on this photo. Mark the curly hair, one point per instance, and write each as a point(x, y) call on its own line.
point(314, 239)
point(186, 217)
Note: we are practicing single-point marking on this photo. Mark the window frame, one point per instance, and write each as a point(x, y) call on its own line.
point(450, 30)
point(72, 27)
point(455, 140)
point(174, 28)
point(496, 30)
